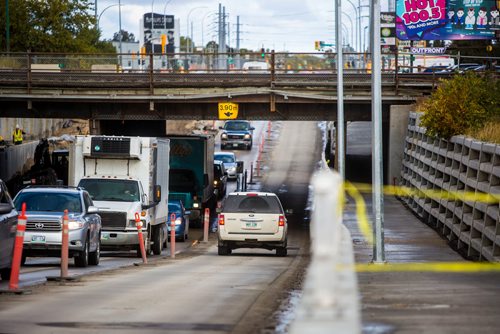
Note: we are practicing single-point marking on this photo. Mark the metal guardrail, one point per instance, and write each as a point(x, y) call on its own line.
point(198, 70)
point(457, 165)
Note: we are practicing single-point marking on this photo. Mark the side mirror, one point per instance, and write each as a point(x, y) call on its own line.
point(157, 194)
point(187, 213)
point(5, 208)
point(221, 127)
point(92, 209)
point(252, 128)
point(239, 167)
point(289, 211)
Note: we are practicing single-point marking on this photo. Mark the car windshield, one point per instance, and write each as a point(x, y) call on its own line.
point(49, 201)
point(255, 204)
point(226, 158)
point(173, 208)
point(236, 126)
point(111, 190)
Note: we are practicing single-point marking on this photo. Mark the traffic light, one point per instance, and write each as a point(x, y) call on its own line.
point(262, 53)
point(317, 46)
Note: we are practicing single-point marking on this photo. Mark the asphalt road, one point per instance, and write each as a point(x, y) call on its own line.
point(198, 291)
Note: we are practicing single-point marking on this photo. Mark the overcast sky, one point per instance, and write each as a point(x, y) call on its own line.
point(291, 25)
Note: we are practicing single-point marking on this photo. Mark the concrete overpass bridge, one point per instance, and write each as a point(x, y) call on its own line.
point(279, 93)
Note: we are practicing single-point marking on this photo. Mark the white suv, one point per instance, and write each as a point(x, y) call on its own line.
point(252, 220)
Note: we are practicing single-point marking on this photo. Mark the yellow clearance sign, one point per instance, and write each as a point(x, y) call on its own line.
point(228, 110)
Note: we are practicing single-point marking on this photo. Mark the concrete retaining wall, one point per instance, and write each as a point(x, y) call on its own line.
point(458, 164)
point(35, 128)
point(14, 158)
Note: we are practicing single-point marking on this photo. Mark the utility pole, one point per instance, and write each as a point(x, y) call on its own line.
point(219, 63)
point(238, 62)
point(120, 31)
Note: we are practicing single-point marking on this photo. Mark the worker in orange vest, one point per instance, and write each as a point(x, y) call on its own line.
point(17, 135)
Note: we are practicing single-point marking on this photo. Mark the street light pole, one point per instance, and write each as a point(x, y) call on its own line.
point(352, 30)
point(377, 160)
point(340, 90)
point(120, 29)
point(356, 26)
point(99, 17)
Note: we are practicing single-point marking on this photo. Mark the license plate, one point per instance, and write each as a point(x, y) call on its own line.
point(235, 145)
point(251, 225)
point(37, 238)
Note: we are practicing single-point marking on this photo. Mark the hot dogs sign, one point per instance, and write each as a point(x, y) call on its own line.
point(447, 19)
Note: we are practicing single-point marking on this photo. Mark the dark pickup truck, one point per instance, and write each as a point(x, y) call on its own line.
point(235, 134)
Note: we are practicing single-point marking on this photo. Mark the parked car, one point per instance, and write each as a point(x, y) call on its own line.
point(175, 207)
point(235, 134)
point(8, 226)
point(45, 209)
point(434, 69)
point(220, 179)
point(460, 68)
point(229, 161)
point(252, 220)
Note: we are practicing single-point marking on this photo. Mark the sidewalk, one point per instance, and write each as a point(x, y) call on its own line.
point(421, 301)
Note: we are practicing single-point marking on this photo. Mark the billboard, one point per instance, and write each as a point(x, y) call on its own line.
point(447, 19)
point(153, 26)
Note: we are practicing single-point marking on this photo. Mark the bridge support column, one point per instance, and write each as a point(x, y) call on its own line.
point(398, 124)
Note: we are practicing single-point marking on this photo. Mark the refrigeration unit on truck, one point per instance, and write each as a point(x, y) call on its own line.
point(125, 176)
point(191, 173)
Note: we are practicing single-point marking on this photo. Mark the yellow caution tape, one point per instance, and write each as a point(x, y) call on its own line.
point(448, 267)
point(363, 221)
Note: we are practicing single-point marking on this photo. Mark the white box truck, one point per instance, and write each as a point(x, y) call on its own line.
point(124, 176)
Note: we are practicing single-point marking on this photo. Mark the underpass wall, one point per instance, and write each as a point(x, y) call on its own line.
point(35, 128)
point(456, 165)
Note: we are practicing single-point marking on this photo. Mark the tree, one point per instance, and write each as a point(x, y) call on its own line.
point(51, 26)
point(461, 104)
point(126, 36)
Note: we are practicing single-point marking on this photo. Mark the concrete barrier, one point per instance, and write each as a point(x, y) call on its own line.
point(104, 68)
point(45, 68)
point(457, 165)
point(330, 300)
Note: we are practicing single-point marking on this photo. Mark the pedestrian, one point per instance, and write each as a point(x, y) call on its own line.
point(17, 135)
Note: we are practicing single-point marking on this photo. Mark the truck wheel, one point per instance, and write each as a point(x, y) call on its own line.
point(157, 239)
point(82, 259)
point(94, 257)
point(5, 274)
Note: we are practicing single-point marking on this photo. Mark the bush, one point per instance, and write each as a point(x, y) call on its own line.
point(460, 105)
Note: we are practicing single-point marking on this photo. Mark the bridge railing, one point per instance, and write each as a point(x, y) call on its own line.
point(151, 71)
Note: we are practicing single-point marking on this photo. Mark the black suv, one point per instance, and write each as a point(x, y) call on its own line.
point(235, 134)
point(8, 225)
point(220, 179)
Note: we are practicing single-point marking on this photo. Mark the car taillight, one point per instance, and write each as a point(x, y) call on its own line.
point(281, 221)
point(221, 220)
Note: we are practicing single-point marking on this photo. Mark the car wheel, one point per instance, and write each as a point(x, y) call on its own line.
point(281, 251)
point(82, 259)
point(5, 274)
point(94, 257)
point(157, 240)
point(224, 250)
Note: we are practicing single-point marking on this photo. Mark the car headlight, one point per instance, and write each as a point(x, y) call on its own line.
point(247, 136)
point(75, 225)
point(216, 182)
point(196, 205)
point(224, 136)
point(231, 169)
point(178, 221)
